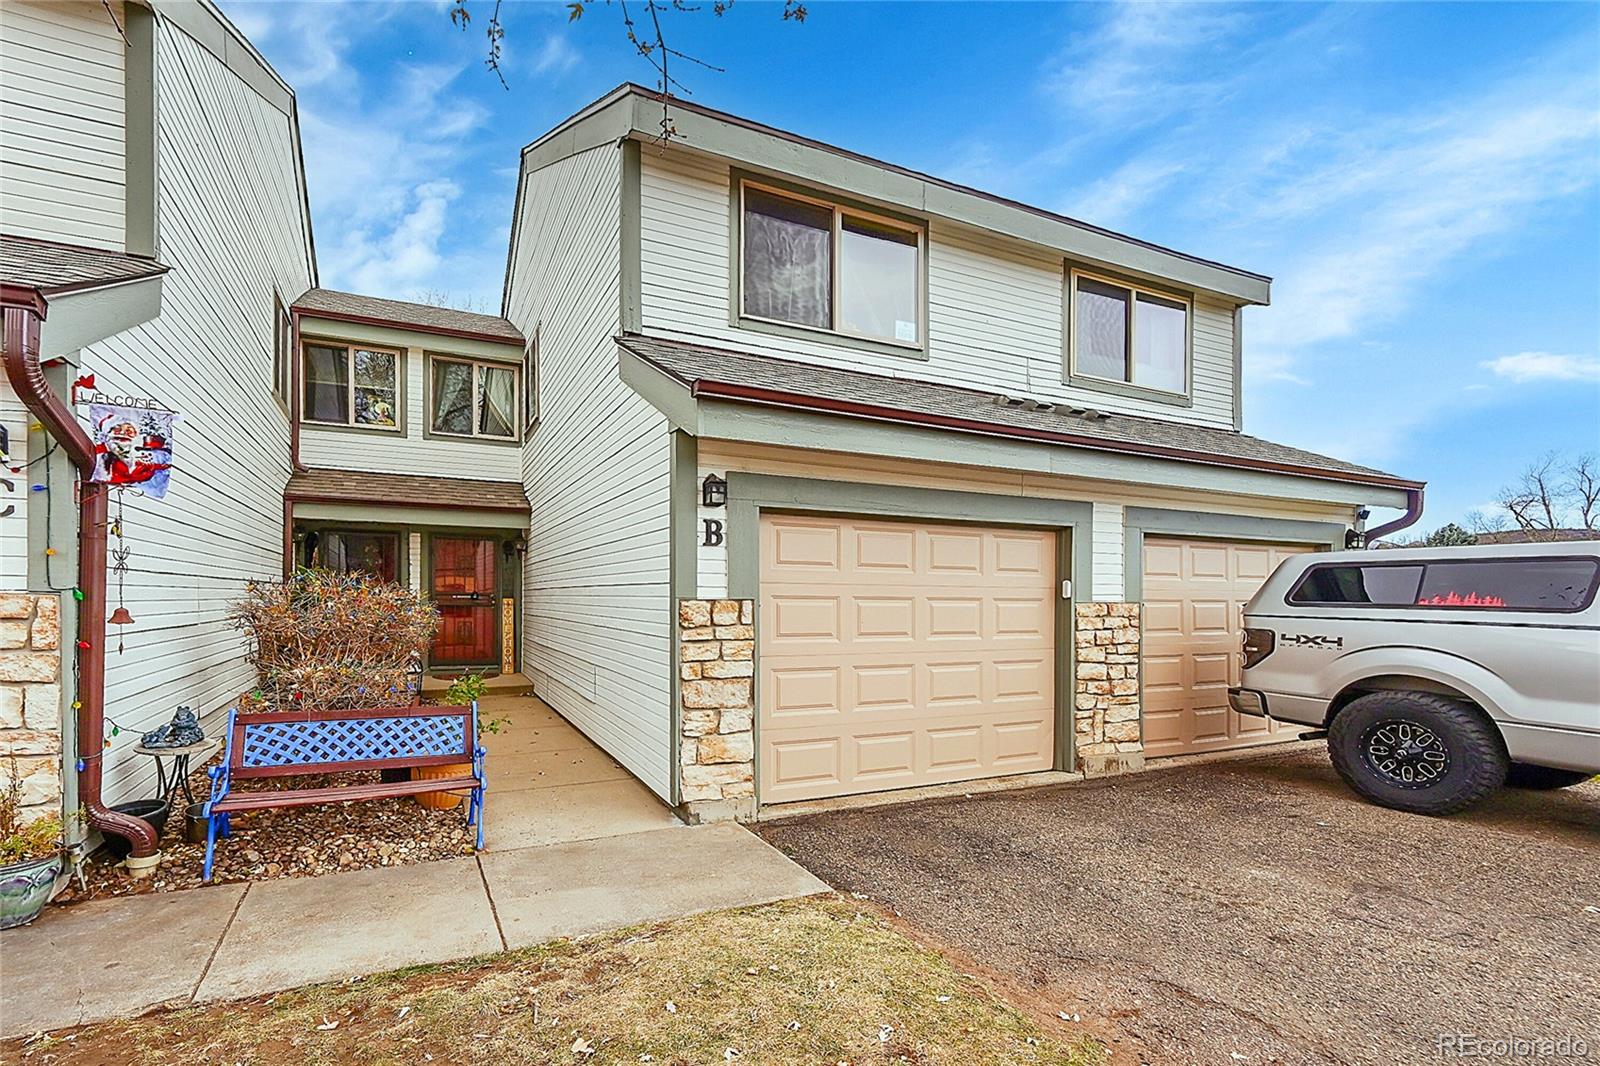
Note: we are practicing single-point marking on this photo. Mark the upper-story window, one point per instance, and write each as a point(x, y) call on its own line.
point(1125, 333)
point(282, 348)
point(352, 385)
point(806, 262)
point(472, 399)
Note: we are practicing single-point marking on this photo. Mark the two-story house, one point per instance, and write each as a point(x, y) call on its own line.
point(962, 479)
point(787, 473)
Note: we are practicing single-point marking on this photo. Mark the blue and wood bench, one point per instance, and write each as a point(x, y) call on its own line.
point(268, 744)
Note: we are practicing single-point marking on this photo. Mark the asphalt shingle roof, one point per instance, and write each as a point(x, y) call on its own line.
point(709, 371)
point(406, 490)
point(50, 267)
point(424, 317)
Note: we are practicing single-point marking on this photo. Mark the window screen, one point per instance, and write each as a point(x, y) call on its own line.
point(327, 384)
point(788, 259)
point(377, 554)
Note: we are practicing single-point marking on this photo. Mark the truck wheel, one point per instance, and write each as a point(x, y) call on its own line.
point(1543, 778)
point(1416, 751)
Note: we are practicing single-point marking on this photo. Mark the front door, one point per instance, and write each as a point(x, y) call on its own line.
point(464, 590)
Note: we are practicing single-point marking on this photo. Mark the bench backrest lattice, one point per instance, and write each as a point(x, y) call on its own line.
point(276, 743)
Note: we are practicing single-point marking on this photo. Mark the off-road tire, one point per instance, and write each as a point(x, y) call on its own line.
point(1544, 778)
point(1474, 759)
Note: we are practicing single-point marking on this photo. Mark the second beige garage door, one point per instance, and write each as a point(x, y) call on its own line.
point(1194, 596)
point(896, 654)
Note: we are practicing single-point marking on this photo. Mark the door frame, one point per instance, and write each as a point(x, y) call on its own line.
point(749, 495)
point(502, 589)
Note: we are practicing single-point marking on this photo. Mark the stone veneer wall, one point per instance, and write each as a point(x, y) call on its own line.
point(716, 664)
point(1106, 710)
point(30, 699)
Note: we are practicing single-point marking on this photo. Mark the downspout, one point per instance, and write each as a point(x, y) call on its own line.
point(1412, 514)
point(21, 354)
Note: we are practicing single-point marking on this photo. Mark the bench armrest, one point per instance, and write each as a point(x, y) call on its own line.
point(221, 775)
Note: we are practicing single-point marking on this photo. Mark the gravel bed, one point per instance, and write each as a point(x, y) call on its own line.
point(290, 842)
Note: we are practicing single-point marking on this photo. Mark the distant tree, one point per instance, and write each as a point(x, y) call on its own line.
point(1554, 494)
point(650, 43)
point(1449, 535)
point(442, 298)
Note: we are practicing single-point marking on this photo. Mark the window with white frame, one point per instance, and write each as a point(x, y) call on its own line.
point(351, 385)
point(472, 399)
point(810, 263)
point(1126, 333)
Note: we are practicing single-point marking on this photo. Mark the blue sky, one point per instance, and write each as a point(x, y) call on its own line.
point(1422, 180)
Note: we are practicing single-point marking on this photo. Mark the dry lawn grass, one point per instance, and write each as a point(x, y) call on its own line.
point(817, 981)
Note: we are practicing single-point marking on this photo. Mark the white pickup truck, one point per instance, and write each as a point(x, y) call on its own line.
point(1439, 674)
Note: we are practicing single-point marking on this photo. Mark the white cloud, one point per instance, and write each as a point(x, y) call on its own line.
point(1130, 67)
point(1114, 200)
point(1524, 367)
point(556, 56)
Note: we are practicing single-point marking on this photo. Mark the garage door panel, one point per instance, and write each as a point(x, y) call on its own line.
point(955, 552)
point(812, 547)
point(1194, 596)
point(885, 618)
point(951, 617)
point(812, 763)
point(885, 755)
point(942, 638)
point(1023, 619)
point(794, 617)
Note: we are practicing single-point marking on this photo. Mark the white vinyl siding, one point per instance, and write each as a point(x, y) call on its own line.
point(711, 564)
point(412, 452)
point(62, 122)
point(14, 493)
point(232, 231)
point(598, 618)
point(995, 315)
point(1108, 555)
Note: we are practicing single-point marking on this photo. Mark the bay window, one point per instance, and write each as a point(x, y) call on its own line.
point(470, 399)
point(805, 262)
point(347, 385)
point(1124, 333)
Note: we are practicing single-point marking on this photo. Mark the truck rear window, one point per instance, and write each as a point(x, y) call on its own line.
point(1543, 584)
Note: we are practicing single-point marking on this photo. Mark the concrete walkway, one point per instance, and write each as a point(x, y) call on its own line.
point(576, 846)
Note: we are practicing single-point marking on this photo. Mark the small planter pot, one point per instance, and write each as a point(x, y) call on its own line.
point(25, 888)
point(152, 811)
point(194, 829)
point(440, 801)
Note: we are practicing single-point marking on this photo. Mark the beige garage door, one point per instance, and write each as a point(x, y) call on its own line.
point(1194, 595)
point(896, 654)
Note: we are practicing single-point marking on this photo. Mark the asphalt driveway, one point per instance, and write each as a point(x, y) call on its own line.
point(1251, 910)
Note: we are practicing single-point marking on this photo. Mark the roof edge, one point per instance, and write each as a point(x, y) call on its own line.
point(988, 211)
point(411, 327)
point(710, 388)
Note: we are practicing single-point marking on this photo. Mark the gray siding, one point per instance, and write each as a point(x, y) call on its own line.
point(597, 614)
point(61, 121)
point(231, 229)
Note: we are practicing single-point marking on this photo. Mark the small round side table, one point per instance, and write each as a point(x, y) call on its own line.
point(169, 782)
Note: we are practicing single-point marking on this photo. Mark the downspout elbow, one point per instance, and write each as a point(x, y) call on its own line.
point(1413, 513)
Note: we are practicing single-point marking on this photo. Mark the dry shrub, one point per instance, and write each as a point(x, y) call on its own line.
point(331, 641)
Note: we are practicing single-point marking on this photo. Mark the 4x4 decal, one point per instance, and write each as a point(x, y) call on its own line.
point(1310, 640)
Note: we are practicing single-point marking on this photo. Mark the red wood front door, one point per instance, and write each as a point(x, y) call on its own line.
point(464, 590)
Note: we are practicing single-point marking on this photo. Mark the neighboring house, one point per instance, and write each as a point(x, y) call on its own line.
point(154, 213)
point(962, 441)
point(409, 429)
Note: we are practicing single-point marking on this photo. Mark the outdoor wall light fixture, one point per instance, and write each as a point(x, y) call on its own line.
point(713, 491)
point(516, 546)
